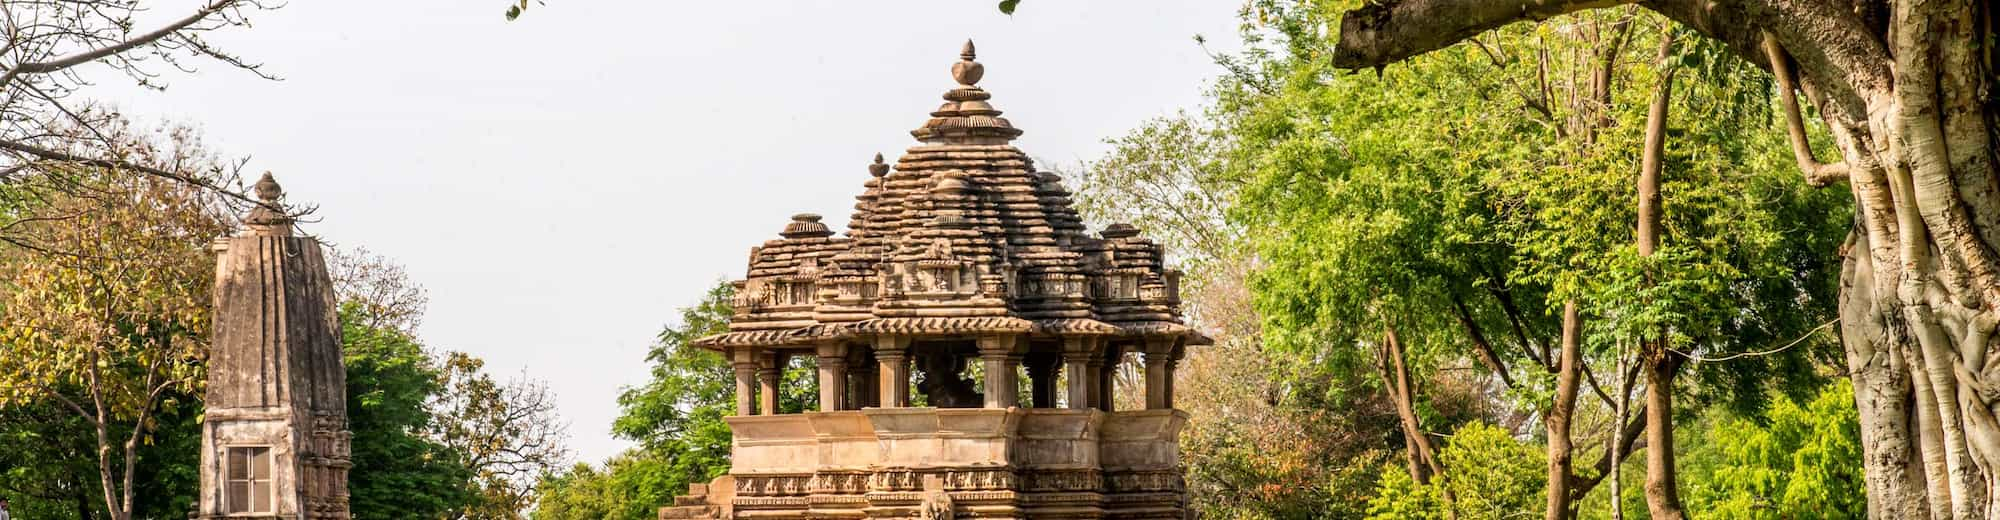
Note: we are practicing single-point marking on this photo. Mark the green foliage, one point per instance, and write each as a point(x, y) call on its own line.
point(398, 473)
point(1490, 476)
point(677, 416)
point(1399, 497)
point(677, 419)
point(631, 486)
point(1805, 463)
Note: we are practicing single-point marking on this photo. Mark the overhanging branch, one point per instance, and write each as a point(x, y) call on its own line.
point(1378, 34)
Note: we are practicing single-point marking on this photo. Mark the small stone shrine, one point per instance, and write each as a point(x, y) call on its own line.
point(960, 259)
point(274, 438)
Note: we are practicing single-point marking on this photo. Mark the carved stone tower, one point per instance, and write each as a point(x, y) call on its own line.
point(274, 441)
point(966, 268)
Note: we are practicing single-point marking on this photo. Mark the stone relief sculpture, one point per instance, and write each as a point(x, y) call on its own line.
point(937, 503)
point(942, 385)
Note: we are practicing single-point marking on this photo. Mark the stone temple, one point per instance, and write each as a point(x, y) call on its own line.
point(274, 438)
point(962, 267)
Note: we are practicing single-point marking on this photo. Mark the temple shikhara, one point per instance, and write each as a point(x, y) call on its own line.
point(274, 438)
point(962, 268)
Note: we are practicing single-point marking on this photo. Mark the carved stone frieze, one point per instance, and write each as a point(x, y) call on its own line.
point(1062, 480)
point(841, 483)
point(772, 485)
point(1145, 482)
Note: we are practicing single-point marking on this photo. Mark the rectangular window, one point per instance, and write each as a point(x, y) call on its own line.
point(247, 480)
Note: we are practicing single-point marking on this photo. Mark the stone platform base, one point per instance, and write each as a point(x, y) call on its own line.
point(932, 464)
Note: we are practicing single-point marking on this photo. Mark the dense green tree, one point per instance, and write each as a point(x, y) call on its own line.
point(1492, 477)
point(113, 328)
point(1906, 91)
point(676, 417)
point(1800, 461)
point(398, 473)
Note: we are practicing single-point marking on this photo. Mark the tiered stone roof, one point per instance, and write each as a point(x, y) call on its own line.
point(962, 236)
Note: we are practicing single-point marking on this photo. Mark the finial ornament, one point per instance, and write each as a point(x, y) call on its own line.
point(879, 168)
point(269, 217)
point(268, 189)
point(967, 71)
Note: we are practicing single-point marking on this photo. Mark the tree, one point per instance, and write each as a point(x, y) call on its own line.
point(630, 486)
point(45, 47)
point(677, 419)
point(399, 471)
point(1496, 477)
point(113, 329)
point(389, 299)
point(1484, 231)
point(1905, 89)
point(1801, 460)
point(509, 435)
point(499, 437)
point(677, 416)
point(1262, 441)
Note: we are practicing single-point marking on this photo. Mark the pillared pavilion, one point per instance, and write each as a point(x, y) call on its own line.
point(962, 267)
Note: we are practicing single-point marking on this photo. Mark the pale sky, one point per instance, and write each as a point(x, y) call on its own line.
point(563, 183)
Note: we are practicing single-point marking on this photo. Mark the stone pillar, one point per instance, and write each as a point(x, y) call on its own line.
point(1077, 356)
point(770, 370)
point(1104, 377)
point(861, 380)
point(1159, 374)
point(998, 353)
point(892, 359)
point(832, 376)
point(1042, 378)
point(746, 381)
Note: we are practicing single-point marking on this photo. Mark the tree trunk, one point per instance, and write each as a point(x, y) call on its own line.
point(1905, 89)
point(1663, 497)
point(1662, 494)
point(1568, 368)
point(1422, 454)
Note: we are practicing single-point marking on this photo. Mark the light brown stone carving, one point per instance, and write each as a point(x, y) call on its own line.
point(959, 254)
point(277, 388)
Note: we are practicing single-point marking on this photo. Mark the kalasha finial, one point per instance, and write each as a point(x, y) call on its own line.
point(879, 168)
point(268, 189)
point(967, 71)
point(269, 217)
